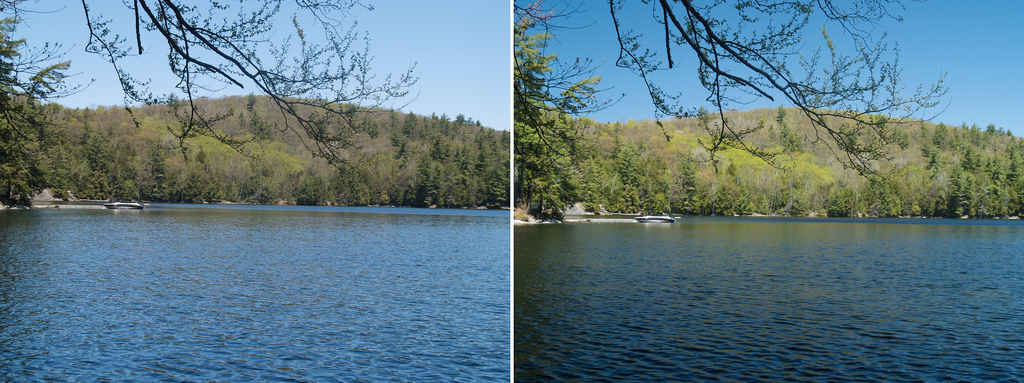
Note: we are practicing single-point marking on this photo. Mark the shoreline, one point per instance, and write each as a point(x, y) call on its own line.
point(98, 204)
point(584, 219)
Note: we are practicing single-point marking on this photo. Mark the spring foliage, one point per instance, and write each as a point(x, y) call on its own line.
point(405, 159)
point(938, 171)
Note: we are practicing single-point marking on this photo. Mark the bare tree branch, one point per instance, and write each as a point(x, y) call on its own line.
point(318, 87)
point(854, 99)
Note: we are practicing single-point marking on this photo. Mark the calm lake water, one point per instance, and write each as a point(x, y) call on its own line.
point(243, 293)
point(739, 299)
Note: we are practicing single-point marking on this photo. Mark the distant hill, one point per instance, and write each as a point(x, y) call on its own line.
point(403, 160)
point(937, 171)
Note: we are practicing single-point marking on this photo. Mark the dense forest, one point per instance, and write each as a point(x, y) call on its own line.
point(402, 159)
point(936, 171)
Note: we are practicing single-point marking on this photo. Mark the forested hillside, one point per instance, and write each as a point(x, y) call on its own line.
point(403, 159)
point(938, 171)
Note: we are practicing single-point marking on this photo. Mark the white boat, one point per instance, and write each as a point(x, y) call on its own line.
point(124, 205)
point(655, 219)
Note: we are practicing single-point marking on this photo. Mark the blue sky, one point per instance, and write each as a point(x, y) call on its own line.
point(978, 46)
point(461, 48)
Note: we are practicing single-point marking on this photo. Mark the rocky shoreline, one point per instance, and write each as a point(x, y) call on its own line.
point(522, 217)
point(44, 199)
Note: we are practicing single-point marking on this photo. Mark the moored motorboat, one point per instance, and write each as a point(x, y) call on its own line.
point(655, 219)
point(124, 205)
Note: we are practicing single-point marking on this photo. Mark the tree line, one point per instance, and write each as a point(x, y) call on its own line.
point(402, 159)
point(854, 107)
point(937, 170)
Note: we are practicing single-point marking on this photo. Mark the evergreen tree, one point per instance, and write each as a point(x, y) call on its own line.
point(547, 139)
point(24, 121)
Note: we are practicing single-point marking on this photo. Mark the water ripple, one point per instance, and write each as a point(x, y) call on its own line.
point(742, 300)
point(226, 295)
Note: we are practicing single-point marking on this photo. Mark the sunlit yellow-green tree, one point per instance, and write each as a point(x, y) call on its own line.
point(847, 81)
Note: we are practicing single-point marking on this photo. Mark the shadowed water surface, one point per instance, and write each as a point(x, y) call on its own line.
point(770, 299)
point(197, 293)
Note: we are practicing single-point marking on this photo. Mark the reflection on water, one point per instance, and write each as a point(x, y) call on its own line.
point(236, 294)
point(771, 299)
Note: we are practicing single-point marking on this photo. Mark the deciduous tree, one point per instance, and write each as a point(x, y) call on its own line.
point(320, 80)
point(850, 89)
